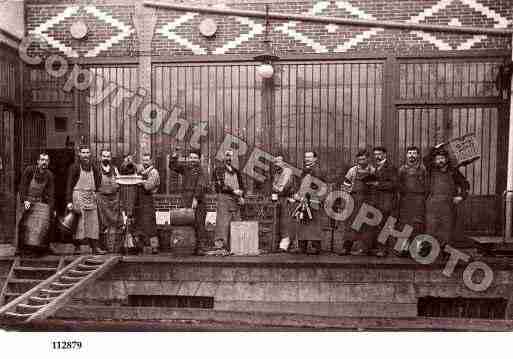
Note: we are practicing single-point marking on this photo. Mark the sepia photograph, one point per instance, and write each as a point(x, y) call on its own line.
point(255, 166)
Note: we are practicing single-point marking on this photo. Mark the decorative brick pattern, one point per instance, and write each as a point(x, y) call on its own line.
point(111, 31)
point(177, 34)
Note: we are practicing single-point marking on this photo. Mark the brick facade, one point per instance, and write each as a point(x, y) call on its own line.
point(112, 31)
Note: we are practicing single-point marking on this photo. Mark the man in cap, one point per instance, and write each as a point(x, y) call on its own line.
point(446, 189)
point(356, 181)
point(230, 196)
point(194, 188)
point(310, 232)
point(145, 219)
point(283, 191)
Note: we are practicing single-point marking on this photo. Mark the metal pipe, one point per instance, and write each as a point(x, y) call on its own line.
point(333, 20)
point(509, 184)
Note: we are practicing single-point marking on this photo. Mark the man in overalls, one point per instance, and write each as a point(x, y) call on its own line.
point(84, 180)
point(108, 201)
point(412, 193)
point(145, 218)
point(194, 188)
point(37, 195)
point(447, 188)
point(230, 197)
point(356, 182)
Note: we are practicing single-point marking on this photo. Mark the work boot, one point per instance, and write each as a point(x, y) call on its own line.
point(95, 248)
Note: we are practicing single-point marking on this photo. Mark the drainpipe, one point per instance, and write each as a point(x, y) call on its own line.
point(509, 184)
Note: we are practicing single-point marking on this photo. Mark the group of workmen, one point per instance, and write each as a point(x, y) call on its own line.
point(421, 193)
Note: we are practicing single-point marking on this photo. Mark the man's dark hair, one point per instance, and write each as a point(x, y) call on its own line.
point(362, 152)
point(413, 148)
point(44, 153)
point(379, 148)
point(84, 147)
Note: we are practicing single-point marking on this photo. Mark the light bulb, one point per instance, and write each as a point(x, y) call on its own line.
point(265, 71)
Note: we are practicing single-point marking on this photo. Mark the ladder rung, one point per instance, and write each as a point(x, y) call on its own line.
point(31, 306)
point(41, 299)
point(79, 273)
point(62, 285)
point(71, 279)
point(35, 269)
point(87, 267)
point(53, 291)
point(95, 261)
point(18, 315)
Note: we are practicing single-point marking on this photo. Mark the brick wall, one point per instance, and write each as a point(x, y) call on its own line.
point(112, 32)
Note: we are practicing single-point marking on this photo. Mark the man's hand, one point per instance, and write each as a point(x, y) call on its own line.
point(194, 203)
point(27, 205)
point(297, 197)
point(457, 200)
point(241, 201)
point(238, 192)
point(69, 206)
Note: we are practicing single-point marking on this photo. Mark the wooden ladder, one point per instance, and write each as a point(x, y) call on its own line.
point(50, 295)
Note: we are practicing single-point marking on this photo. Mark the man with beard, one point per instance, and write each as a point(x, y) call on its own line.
point(412, 193)
point(37, 195)
point(283, 190)
point(310, 233)
point(145, 220)
point(446, 189)
point(193, 189)
point(230, 191)
point(383, 192)
point(84, 180)
point(108, 199)
point(356, 181)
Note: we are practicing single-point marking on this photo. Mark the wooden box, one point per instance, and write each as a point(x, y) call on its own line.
point(463, 150)
point(244, 238)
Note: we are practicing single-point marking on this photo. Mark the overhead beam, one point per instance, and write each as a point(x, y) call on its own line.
point(333, 20)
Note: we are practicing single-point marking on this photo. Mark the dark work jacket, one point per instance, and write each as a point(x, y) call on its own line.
point(316, 172)
point(412, 179)
point(385, 192)
point(461, 185)
point(194, 182)
point(48, 191)
point(74, 175)
point(218, 179)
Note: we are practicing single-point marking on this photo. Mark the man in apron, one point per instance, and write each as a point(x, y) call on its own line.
point(194, 187)
point(446, 188)
point(356, 181)
point(37, 195)
point(145, 219)
point(108, 201)
point(283, 191)
point(84, 180)
point(412, 193)
point(230, 197)
point(310, 234)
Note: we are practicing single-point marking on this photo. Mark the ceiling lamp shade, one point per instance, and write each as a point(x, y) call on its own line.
point(265, 71)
